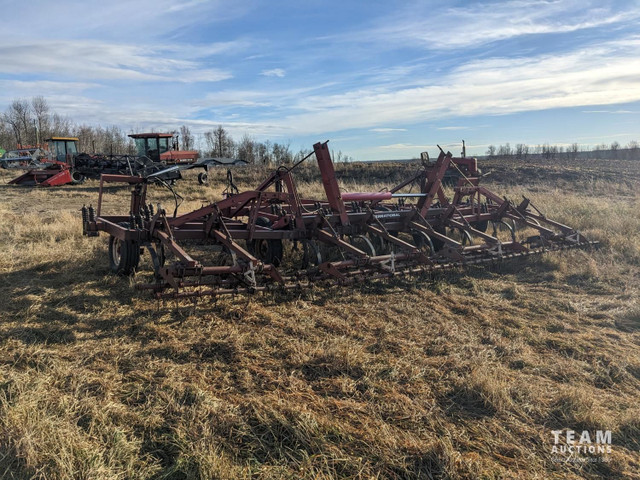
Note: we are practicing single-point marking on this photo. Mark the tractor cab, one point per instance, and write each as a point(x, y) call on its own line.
point(63, 149)
point(153, 145)
point(162, 147)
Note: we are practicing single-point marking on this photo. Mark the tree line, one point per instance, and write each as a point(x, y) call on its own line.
point(522, 151)
point(28, 123)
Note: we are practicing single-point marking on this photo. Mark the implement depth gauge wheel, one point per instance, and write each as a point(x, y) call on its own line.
point(267, 250)
point(124, 255)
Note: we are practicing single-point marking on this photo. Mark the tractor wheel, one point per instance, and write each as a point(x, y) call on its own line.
point(203, 178)
point(77, 178)
point(267, 250)
point(124, 255)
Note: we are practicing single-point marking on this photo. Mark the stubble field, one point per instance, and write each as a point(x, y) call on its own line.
point(462, 376)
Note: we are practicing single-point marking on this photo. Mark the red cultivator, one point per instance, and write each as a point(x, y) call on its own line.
point(271, 238)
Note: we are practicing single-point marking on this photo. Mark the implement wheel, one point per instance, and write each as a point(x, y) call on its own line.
point(267, 250)
point(363, 243)
point(312, 255)
point(77, 178)
point(124, 255)
point(203, 179)
point(423, 242)
point(436, 242)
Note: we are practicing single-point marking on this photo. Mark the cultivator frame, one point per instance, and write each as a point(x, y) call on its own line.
point(373, 235)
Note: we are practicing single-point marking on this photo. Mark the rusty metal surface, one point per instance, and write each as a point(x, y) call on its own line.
point(345, 238)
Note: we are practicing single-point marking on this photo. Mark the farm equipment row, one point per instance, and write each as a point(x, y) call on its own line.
point(63, 165)
point(272, 238)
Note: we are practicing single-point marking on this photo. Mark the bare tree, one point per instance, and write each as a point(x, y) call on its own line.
point(60, 125)
point(22, 110)
point(247, 149)
point(549, 151)
point(220, 142)
point(633, 149)
point(281, 153)
point(187, 138)
point(18, 116)
point(521, 150)
point(615, 146)
point(6, 135)
point(574, 148)
point(14, 125)
point(262, 153)
point(504, 150)
point(41, 111)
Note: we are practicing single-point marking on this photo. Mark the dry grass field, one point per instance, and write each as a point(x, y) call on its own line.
point(460, 376)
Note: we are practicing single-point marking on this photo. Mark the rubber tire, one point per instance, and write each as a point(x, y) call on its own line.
point(271, 251)
point(77, 178)
point(129, 255)
point(203, 178)
point(4, 165)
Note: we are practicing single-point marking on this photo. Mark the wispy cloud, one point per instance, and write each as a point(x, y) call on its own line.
point(90, 59)
point(117, 19)
point(615, 112)
point(414, 71)
point(387, 130)
point(484, 22)
point(274, 72)
point(488, 87)
point(405, 146)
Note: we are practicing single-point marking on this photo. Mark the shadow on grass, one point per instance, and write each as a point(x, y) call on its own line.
point(526, 271)
point(52, 302)
point(59, 299)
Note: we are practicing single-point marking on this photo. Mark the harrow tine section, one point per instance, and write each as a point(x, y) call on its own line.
point(250, 230)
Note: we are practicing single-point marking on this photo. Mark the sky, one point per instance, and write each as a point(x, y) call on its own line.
point(379, 79)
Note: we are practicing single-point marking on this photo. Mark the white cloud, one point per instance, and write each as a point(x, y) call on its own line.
point(90, 59)
point(274, 72)
point(123, 20)
point(405, 146)
point(387, 130)
point(24, 88)
point(483, 22)
point(486, 87)
point(617, 112)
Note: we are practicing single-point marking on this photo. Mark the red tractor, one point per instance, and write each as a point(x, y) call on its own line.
point(162, 147)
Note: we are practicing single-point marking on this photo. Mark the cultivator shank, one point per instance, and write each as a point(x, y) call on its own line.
point(272, 238)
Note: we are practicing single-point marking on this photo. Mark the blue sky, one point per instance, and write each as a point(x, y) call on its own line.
point(380, 79)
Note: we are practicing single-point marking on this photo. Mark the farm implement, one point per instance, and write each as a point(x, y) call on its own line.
point(271, 238)
point(64, 165)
